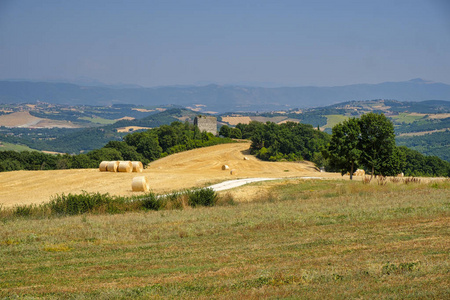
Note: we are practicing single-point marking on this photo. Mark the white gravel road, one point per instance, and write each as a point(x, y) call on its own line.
point(226, 185)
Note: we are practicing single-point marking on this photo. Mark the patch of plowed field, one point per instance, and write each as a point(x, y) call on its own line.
point(195, 168)
point(19, 119)
point(26, 120)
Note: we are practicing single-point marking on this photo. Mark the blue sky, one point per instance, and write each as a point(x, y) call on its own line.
point(266, 43)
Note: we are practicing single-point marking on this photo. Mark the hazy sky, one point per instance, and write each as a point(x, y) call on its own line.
point(295, 43)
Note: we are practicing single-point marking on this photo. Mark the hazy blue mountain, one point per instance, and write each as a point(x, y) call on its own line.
point(220, 98)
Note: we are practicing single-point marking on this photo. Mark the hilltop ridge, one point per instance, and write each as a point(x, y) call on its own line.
point(220, 98)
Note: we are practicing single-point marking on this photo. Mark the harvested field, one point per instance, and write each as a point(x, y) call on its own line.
point(419, 133)
point(47, 123)
point(289, 120)
point(24, 119)
point(195, 168)
point(236, 120)
point(439, 116)
point(277, 120)
point(126, 118)
point(131, 128)
point(18, 119)
point(143, 109)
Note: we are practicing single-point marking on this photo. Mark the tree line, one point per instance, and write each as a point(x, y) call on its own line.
point(274, 142)
point(367, 142)
point(143, 146)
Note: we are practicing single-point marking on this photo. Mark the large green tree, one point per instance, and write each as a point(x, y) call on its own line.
point(369, 142)
point(343, 151)
point(377, 145)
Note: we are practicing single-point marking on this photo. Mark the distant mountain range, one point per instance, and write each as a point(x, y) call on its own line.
point(218, 98)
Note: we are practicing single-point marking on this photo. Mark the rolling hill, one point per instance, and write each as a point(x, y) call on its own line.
point(194, 168)
point(219, 98)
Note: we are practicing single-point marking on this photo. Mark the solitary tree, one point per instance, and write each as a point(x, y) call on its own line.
point(377, 143)
point(343, 151)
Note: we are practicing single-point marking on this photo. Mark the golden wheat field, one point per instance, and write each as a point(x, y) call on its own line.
point(195, 168)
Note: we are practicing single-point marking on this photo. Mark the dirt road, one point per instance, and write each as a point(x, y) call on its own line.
point(195, 168)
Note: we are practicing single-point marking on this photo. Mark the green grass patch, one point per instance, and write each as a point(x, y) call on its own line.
point(334, 119)
point(14, 147)
point(101, 121)
point(405, 118)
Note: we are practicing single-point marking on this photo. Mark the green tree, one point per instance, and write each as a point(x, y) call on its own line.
point(343, 151)
point(149, 147)
point(128, 152)
point(101, 154)
point(83, 161)
point(10, 165)
point(377, 143)
point(224, 131)
point(235, 133)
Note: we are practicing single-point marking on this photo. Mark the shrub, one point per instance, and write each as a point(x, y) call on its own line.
point(78, 204)
point(23, 210)
point(152, 202)
point(202, 197)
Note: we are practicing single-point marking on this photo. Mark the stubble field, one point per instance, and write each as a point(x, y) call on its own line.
point(195, 168)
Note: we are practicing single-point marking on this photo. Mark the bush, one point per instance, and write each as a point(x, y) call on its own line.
point(78, 204)
point(152, 202)
point(23, 210)
point(202, 197)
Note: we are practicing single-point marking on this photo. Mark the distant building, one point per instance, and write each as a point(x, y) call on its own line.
point(206, 123)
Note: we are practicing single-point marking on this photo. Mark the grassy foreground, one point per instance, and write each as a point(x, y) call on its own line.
point(302, 239)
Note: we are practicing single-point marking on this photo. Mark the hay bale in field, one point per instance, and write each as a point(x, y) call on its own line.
point(245, 158)
point(401, 174)
point(225, 167)
point(125, 166)
point(112, 166)
point(140, 184)
point(233, 172)
point(103, 166)
point(359, 172)
point(138, 167)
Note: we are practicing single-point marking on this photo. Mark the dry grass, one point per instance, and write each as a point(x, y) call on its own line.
point(179, 171)
point(131, 128)
point(236, 120)
point(18, 119)
point(420, 133)
point(299, 239)
point(24, 119)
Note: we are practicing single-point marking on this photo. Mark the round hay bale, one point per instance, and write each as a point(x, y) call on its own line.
point(233, 172)
point(225, 167)
point(138, 167)
point(125, 166)
point(140, 184)
point(245, 158)
point(103, 166)
point(112, 166)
